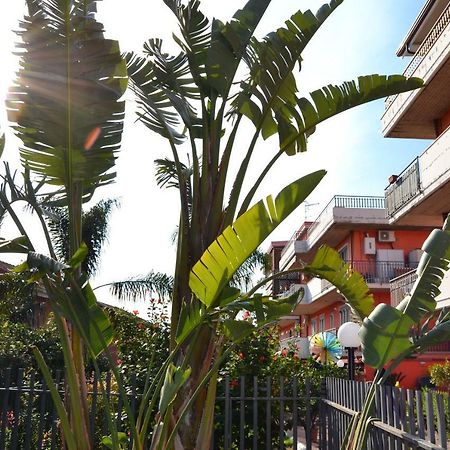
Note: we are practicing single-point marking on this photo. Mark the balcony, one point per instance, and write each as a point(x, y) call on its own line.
point(286, 285)
point(377, 274)
point(401, 286)
point(420, 194)
point(342, 209)
point(413, 114)
point(404, 189)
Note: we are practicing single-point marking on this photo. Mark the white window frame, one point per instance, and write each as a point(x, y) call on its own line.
point(313, 327)
point(321, 323)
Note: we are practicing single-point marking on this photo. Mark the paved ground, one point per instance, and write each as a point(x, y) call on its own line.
point(301, 439)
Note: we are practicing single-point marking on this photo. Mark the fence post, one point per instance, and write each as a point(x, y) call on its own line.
point(323, 415)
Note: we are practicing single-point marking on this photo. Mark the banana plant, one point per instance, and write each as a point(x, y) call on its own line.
point(198, 101)
point(66, 110)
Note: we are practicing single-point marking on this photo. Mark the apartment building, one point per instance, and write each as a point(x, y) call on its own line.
point(358, 228)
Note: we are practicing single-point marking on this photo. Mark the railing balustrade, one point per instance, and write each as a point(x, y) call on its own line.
point(404, 189)
point(401, 286)
point(338, 201)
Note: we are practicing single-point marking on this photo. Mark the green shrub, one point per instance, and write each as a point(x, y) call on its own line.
point(440, 375)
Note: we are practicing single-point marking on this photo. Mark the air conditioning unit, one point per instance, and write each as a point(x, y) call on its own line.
point(386, 236)
point(414, 257)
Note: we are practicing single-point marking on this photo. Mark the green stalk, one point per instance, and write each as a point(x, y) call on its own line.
point(195, 394)
point(77, 416)
point(248, 198)
point(62, 414)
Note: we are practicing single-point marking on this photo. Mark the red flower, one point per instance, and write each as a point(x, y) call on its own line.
point(246, 315)
point(241, 356)
point(295, 355)
point(284, 352)
point(135, 312)
point(119, 362)
point(234, 383)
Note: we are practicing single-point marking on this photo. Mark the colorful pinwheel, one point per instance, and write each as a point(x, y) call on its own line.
point(325, 348)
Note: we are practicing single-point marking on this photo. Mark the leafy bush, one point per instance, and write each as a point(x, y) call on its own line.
point(440, 375)
point(260, 356)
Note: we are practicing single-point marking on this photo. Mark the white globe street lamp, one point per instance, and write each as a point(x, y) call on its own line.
point(348, 336)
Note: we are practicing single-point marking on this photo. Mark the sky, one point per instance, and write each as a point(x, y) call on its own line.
point(361, 37)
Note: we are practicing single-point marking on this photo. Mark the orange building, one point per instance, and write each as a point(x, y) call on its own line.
point(359, 229)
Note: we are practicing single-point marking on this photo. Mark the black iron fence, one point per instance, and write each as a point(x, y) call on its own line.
point(250, 413)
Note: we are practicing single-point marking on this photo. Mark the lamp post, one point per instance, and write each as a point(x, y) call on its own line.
point(349, 338)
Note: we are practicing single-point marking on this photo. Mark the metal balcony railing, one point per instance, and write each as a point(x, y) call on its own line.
point(401, 286)
point(428, 43)
point(283, 285)
point(338, 201)
point(380, 272)
point(442, 347)
point(404, 189)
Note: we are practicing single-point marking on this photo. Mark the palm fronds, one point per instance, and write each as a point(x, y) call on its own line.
point(94, 232)
point(139, 287)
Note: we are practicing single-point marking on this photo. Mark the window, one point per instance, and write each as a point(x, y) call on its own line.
point(313, 327)
point(344, 315)
point(322, 323)
point(332, 320)
point(344, 253)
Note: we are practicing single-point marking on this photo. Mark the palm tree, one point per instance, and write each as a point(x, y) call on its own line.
point(94, 232)
point(66, 107)
point(195, 101)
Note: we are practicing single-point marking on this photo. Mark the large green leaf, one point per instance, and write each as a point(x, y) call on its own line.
point(2, 144)
point(174, 380)
point(385, 333)
point(196, 35)
point(238, 330)
point(157, 111)
point(272, 62)
point(229, 42)
point(237, 242)
point(191, 317)
point(437, 335)
point(327, 264)
point(17, 245)
point(65, 98)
